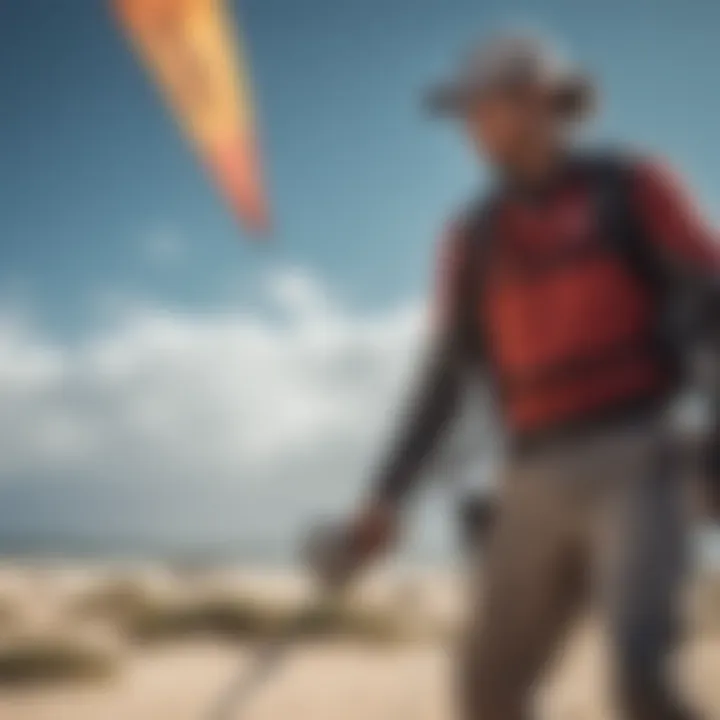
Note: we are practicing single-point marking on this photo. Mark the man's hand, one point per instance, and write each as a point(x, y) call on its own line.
point(338, 552)
point(372, 532)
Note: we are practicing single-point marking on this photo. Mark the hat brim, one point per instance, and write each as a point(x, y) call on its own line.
point(572, 95)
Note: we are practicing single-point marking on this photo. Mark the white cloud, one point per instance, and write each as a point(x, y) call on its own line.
point(297, 395)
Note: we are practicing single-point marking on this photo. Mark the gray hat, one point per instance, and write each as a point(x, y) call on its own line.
point(514, 61)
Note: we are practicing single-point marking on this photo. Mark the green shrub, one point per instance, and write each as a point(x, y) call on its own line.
point(40, 661)
point(225, 618)
point(346, 621)
point(147, 617)
point(242, 619)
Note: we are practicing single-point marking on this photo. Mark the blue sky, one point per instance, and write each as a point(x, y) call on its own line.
point(137, 356)
point(93, 169)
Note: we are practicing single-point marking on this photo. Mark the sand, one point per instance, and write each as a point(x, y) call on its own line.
point(339, 680)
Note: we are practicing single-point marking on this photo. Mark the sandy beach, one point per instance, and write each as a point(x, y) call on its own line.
point(322, 680)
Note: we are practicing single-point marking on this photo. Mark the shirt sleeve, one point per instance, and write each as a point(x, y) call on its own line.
point(434, 404)
point(674, 222)
point(447, 300)
point(690, 248)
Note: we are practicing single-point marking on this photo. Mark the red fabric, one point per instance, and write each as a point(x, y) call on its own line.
point(555, 294)
point(579, 311)
point(673, 221)
point(581, 397)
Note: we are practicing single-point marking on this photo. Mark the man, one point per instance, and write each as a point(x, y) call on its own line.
point(557, 289)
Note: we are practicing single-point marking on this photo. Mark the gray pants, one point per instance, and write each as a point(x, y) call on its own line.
point(601, 517)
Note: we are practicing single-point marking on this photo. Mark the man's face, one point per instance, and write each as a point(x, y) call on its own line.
point(506, 125)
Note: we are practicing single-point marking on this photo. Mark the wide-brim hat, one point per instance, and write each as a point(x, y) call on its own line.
point(506, 63)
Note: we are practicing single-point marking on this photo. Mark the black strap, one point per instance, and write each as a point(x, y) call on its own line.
point(619, 223)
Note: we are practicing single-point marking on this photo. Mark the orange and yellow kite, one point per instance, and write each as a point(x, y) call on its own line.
point(190, 48)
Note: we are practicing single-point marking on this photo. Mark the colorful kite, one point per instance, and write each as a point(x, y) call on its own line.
point(189, 47)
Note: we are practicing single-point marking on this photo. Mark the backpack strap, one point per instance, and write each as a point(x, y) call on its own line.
point(620, 224)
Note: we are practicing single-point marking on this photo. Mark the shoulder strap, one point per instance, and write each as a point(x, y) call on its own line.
point(619, 222)
point(621, 225)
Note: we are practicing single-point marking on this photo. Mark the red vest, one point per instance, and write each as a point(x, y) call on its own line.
point(568, 315)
